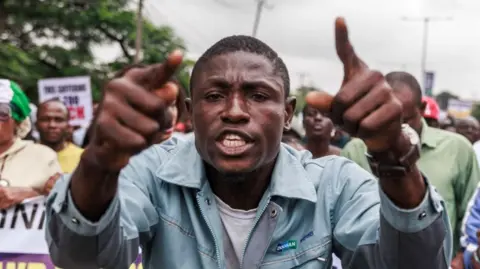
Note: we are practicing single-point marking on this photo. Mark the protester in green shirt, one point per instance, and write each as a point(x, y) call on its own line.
point(447, 159)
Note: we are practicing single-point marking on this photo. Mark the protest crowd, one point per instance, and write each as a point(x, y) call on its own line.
point(225, 175)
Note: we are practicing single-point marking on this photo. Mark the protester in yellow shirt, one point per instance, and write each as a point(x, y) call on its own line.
point(53, 127)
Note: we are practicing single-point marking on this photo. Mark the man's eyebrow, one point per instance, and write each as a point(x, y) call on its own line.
point(217, 80)
point(246, 82)
point(273, 84)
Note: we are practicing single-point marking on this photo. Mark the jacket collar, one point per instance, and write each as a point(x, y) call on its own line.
point(289, 178)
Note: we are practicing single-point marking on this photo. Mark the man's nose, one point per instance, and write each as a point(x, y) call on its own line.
point(52, 123)
point(236, 110)
point(318, 116)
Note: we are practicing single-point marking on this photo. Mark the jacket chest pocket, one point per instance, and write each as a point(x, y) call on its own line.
point(185, 247)
point(317, 255)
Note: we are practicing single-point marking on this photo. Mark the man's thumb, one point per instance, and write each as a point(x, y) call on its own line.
point(352, 64)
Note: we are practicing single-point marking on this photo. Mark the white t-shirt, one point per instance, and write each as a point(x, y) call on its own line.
point(238, 224)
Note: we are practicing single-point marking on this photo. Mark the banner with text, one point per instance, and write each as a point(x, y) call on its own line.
point(75, 92)
point(459, 108)
point(22, 233)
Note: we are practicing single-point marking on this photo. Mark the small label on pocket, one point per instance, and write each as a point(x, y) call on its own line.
point(287, 245)
point(310, 234)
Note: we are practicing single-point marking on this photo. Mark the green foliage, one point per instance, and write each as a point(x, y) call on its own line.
point(53, 38)
point(476, 111)
point(300, 94)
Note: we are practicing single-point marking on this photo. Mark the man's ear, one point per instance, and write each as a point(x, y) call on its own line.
point(290, 105)
point(188, 105)
point(423, 105)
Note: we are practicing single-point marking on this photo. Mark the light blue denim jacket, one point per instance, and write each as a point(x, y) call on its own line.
point(312, 207)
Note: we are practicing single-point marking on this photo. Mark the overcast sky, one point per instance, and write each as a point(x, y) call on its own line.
point(301, 31)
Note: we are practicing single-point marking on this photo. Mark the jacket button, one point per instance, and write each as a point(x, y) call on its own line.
point(207, 201)
point(75, 221)
point(422, 215)
point(274, 213)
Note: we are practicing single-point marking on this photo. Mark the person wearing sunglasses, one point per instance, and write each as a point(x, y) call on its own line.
point(26, 169)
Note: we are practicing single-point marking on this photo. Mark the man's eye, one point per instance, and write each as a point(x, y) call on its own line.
point(259, 97)
point(213, 97)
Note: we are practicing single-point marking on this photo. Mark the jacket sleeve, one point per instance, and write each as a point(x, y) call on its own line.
point(113, 241)
point(471, 224)
point(371, 232)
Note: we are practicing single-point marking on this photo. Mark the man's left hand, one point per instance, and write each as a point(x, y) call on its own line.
point(366, 108)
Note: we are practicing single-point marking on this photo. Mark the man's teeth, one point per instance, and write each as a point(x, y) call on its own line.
point(233, 140)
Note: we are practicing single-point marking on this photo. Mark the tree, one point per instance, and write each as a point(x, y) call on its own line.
point(476, 111)
point(300, 95)
point(54, 38)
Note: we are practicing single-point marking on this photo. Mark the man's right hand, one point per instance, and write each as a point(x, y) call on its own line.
point(132, 111)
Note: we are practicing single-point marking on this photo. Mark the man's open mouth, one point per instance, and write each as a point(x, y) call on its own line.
point(234, 143)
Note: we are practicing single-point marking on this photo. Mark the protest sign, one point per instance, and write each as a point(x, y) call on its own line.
point(75, 92)
point(459, 108)
point(22, 233)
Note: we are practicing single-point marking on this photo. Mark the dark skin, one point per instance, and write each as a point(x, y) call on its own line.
point(367, 108)
point(52, 124)
point(318, 129)
point(432, 122)
point(236, 93)
point(239, 93)
point(412, 109)
point(468, 128)
point(134, 108)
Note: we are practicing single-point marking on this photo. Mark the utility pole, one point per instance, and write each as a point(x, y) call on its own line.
point(302, 77)
point(426, 23)
point(261, 4)
point(138, 39)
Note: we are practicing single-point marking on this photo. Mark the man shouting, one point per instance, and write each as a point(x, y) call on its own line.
point(234, 196)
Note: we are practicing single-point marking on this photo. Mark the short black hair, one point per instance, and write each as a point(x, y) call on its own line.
point(408, 80)
point(53, 100)
point(246, 44)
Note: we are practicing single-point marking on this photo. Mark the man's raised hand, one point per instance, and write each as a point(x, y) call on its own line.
point(364, 106)
point(352, 64)
point(132, 111)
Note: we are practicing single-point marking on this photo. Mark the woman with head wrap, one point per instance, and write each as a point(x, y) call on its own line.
point(26, 169)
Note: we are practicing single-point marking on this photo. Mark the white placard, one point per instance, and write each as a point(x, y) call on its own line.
point(75, 92)
point(23, 227)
